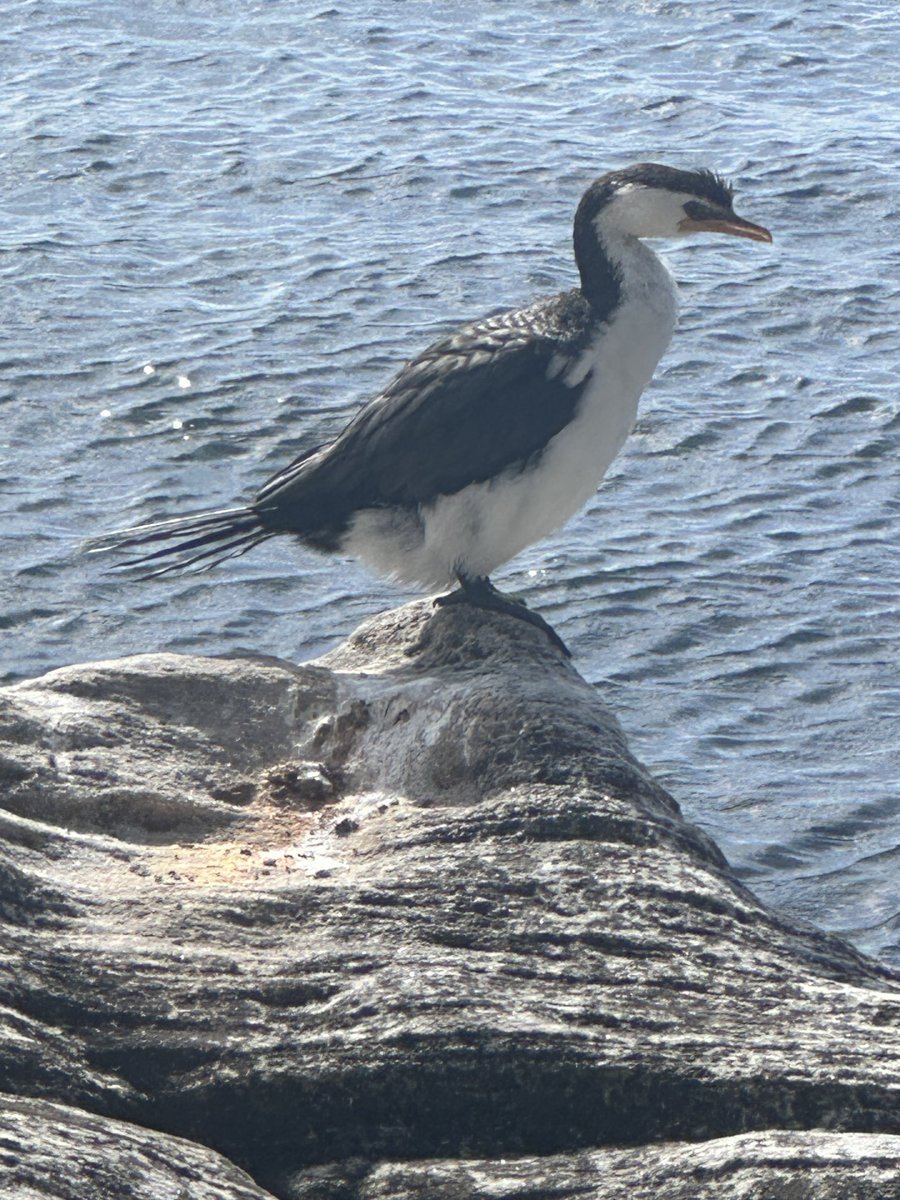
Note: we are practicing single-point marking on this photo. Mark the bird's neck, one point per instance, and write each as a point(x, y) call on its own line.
point(604, 256)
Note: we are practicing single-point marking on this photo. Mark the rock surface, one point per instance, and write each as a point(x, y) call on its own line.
point(54, 1150)
point(755, 1166)
point(415, 901)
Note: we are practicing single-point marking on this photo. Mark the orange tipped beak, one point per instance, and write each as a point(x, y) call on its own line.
point(734, 225)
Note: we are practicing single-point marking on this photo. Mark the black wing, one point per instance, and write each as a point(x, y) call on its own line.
point(483, 401)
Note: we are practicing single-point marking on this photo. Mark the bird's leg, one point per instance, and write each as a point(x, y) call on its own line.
point(480, 592)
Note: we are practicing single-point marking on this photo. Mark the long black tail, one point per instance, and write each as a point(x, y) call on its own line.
point(197, 540)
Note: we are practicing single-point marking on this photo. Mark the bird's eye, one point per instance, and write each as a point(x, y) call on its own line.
point(698, 211)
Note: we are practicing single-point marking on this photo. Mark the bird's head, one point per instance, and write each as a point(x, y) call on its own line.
point(649, 200)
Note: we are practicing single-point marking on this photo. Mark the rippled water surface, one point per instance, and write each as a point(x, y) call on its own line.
point(222, 226)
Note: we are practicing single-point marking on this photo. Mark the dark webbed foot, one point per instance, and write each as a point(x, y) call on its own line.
point(481, 593)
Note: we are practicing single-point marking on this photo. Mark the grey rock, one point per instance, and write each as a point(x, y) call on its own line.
point(773, 1165)
point(54, 1150)
point(414, 901)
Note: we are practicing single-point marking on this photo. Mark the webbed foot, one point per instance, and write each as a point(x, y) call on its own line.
point(481, 593)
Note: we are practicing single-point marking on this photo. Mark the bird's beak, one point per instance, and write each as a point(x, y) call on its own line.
point(733, 224)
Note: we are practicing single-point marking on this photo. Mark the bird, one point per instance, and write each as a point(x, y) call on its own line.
point(496, 434)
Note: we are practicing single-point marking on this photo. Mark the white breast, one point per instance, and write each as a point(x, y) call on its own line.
point(483, 526)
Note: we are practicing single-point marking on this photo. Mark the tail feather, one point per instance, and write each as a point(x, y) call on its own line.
point(214, 535)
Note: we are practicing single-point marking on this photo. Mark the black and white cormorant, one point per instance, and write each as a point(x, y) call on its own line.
point(495, 435)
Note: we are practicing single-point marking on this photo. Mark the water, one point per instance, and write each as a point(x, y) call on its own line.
point(223, 225)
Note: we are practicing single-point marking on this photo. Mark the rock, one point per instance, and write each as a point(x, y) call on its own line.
point(54, 1150)
point(413, 901)
point(753, 1166)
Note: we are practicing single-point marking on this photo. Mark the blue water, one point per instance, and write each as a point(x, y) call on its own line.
point(223, 225)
